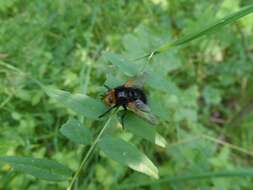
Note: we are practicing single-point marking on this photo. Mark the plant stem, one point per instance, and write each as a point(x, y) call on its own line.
point(211, 28)
point(92, 147)
point(147, 62)
point(232, 146)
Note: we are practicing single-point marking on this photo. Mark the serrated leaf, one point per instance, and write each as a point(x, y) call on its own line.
point(127, 154)
point(75, 132)
point(81, 104)
point(141, 128)
point(154, 80)
point(41, 168)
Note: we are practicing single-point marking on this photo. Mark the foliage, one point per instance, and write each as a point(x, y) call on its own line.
point(199, 88)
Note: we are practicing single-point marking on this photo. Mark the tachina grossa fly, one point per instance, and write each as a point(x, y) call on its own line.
point(130, 96)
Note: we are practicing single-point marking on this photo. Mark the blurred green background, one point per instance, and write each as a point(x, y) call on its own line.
point(61, 44)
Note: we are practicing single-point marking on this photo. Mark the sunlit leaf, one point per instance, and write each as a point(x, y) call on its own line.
point(143, 129)
point(75, 132)
point(124, 65)
point(40, 168)
point(80, 103)
point(127, 154)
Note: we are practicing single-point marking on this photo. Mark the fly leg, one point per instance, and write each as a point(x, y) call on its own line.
point(123, 116)
point(110, 109)
point(107, 87)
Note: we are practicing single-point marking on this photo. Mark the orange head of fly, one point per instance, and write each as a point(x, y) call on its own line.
point(109, 98)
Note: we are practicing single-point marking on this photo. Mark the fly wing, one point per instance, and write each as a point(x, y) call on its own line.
point(142, 110)
point(140, 105)
point(136, 81)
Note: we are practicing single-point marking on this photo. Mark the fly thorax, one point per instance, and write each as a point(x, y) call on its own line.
point(122, 94)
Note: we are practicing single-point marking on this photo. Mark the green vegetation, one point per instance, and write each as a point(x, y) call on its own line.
point(55, 57)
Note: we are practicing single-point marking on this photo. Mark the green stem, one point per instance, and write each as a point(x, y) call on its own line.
point(92, 147)
point(208, 29)
point(147, 62)
point(211, 28)
point(232, 146)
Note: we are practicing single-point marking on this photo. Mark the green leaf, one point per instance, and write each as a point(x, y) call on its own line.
point(141, 128)
point(132, 45)
point(112, 81)
point(127, 154)
point(159, 83)
point(119, 61)
point(189, 114)
point(81, 104)
point(208, 29)
point(212, 95)
point(41, 168)
point(158, 105)
point(75, 132)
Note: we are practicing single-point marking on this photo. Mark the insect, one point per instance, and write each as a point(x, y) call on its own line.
point(131, 97)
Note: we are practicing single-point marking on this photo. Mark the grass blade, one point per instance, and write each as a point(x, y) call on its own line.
point(208, 29)
point(92, 147)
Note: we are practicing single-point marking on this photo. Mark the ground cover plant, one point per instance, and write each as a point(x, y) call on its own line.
point(55, 57)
